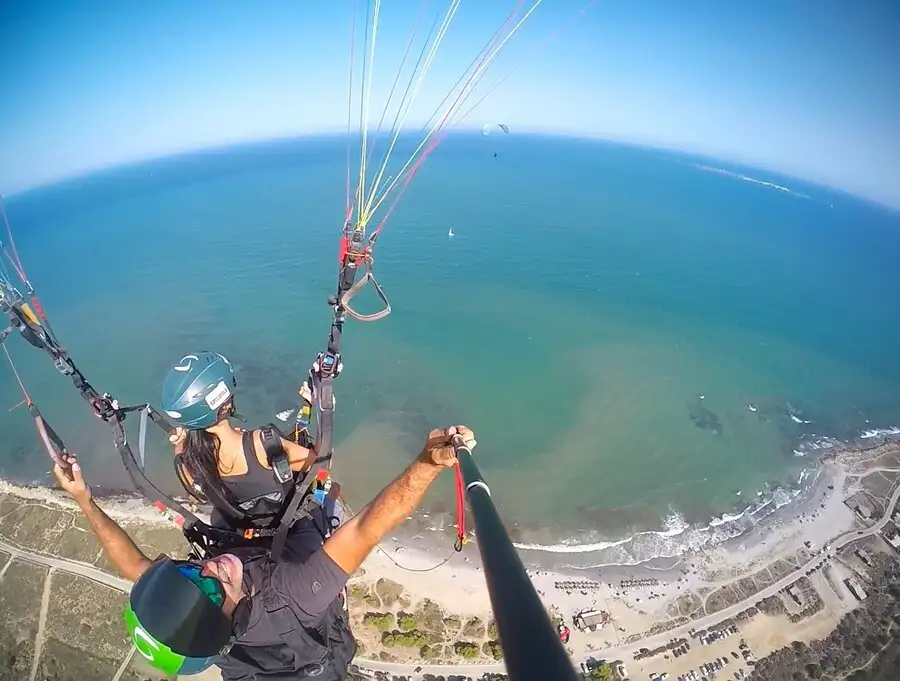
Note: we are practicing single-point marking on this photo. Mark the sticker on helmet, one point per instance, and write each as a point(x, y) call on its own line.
point(218, 395)
point(186, 362)
point(145, 644)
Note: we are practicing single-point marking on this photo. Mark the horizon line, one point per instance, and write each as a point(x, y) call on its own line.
point(335, 133)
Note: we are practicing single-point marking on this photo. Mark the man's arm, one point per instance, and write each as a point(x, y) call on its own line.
point(118, 546)
point(354, 540)
point(124, 553)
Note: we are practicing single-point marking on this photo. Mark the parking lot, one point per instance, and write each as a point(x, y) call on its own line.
point(705, 655)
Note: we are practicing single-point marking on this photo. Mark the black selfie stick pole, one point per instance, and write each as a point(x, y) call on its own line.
point(531, 646)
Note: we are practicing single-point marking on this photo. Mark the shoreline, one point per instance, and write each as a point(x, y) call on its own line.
point(674, 591)
point(648, 551)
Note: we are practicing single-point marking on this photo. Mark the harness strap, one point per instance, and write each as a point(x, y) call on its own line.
point(277, 458)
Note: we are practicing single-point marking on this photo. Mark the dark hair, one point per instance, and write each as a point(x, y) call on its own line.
point(200, 459)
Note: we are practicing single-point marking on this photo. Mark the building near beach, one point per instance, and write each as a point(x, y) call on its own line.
point(864, 556)
point(591, 620)
point(856, 588)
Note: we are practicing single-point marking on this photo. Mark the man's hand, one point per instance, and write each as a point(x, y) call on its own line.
point(72, 481)
point(355, 539)
point(439, 449)
point(177, 438)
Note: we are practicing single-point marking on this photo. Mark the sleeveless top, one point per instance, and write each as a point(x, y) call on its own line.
point(257, 491)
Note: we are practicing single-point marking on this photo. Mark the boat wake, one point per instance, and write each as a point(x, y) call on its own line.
point(752, 180)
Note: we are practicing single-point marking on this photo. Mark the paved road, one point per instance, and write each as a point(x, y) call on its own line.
point(65, 565)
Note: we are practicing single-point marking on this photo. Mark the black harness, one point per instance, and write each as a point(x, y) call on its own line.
point(300, 493)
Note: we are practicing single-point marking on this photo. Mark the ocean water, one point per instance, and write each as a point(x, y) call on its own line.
point(604, 318)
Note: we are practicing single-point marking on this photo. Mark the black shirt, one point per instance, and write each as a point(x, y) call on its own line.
point(292, 623)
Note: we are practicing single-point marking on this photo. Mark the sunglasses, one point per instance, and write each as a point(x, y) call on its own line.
point(210, 586)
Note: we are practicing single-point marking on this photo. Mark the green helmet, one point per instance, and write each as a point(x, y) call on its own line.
point(173, 624)
point(196, 387)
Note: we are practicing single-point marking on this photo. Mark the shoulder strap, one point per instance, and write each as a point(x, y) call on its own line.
point(276, 456)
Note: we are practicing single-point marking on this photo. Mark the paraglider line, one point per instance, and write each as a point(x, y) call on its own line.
point(12, 366)
point(476, 62)
point(403, 100)
point(13, 256)
point(387, 104)
point(549, 39)
point(349, 207)
point(475, 77)
point(367, 210)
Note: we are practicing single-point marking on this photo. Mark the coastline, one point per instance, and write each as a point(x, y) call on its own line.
point(414, 560)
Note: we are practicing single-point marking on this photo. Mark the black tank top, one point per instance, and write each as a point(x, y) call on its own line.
point(257, 491)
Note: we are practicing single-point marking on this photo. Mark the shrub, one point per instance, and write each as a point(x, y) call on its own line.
point(379, 620)
point(466, 649)
point(406, 622)
point(403, 639)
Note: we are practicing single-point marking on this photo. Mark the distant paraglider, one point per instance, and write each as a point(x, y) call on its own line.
point(492, 128)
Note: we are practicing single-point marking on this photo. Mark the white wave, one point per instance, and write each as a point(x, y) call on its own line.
point(676, 537)
point(726, 518)
point(878, 432)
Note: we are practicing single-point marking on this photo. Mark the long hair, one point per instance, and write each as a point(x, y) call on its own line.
point(200, 458)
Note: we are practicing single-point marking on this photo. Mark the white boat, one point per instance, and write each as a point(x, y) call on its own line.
point(450, 234)
point(751, 407)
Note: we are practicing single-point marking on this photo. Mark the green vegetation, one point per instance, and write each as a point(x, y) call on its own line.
point(492, 630)
point(380, 620)
point(406, 622)
point(493, 649)
point(466, 649)
point(452, 622)
point(601, 672)
point(403, 639)
point(430, 652)
point(373, 601)
point(358, 591)
point(473, 628)
point(385, 656)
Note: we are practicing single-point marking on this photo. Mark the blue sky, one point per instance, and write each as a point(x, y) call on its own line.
point(808, 88)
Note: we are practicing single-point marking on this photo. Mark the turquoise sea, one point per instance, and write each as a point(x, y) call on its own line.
point(606, 318)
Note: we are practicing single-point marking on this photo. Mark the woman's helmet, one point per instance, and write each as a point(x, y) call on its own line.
point(196, 387)
point(175, 618)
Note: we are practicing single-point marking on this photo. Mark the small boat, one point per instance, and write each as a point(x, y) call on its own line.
point(450, 234)
point(751, 407)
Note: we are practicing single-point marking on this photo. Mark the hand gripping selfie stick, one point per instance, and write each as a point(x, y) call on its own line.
point(531, 646)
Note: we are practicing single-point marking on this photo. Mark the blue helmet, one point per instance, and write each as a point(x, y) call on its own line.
point(196, 388)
